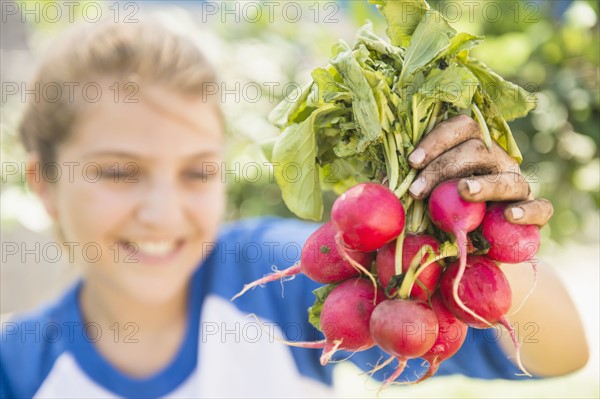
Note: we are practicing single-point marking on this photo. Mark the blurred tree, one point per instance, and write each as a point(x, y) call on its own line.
point(549, 47)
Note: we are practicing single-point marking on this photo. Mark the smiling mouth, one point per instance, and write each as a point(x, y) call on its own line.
point(151, 251)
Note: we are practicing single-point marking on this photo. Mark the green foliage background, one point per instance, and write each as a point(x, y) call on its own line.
point(552, 54)
point(556, 57)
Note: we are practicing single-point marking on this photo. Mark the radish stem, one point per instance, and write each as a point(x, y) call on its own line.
point(388, 162)
point(410, 278)
point(424, 224)
point(445, 252)
point(416, 217)
point(393, 159)
point(415, 121)
point(487, 138)
point(399, 143)
point(433, 119)
point(410, 177)
point(398, 257)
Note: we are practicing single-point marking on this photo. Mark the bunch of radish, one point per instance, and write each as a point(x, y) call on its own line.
point(409, 293)
point(409, 275)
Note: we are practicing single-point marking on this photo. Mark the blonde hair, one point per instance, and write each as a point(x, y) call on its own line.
point(127, 52)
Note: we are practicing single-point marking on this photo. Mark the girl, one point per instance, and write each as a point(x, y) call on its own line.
point(150, 316)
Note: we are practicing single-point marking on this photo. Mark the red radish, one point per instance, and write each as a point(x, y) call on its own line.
point(509, 243)
point(450, 212)
point(368, 216)
point(451, 335)
point(485, 290)
point(320, 261)
point(413, 244)
point(404, 328)
point(345, 318)
point(454, 215)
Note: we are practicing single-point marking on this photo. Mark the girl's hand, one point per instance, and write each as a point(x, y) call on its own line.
point(455, 149)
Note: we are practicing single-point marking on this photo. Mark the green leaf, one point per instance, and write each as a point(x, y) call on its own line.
point(381, 93)
point(431, 37)
point(286, 111)
point(295, 168)
point(314, 312)
point(374, 43)
point(362, 55)
point(346, 147)
point(421, 109)
point(402, 18)
point(511, 101)
point(461, 42)
point(267, 148)
point(455, 85)
point(499, 129)
point(344, 173)
point(326, 88)
point(364, 106)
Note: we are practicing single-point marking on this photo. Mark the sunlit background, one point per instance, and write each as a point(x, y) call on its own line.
point(549, 47)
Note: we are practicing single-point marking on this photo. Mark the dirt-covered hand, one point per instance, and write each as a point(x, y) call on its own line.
point(455, 149)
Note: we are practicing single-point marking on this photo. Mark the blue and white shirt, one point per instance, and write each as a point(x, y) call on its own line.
point(50, 352)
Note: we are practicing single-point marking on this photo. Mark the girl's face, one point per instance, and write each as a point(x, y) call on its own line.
point(145, 173)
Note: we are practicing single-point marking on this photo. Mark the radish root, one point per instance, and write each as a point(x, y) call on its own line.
point(343, 250)
point(291, 271)
point(433, 368)
point(461, 241)
point(534, 267)
point(395, 374)
point(504, 322)
point(310, 345)
point(379, 366)
point(328, 350)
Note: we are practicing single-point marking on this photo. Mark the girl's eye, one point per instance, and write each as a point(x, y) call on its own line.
point(197, 175)
point(123, 176)
point(116, 175)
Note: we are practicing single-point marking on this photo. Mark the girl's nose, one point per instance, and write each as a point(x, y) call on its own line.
point(161, 207)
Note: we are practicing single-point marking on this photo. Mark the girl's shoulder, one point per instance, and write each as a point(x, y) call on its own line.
point(32, 341)
point(268, 228)
point(247, 249)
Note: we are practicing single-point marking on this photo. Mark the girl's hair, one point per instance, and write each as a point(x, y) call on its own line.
point(126, 53)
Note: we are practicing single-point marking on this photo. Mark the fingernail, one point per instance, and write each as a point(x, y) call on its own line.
point(474, 186)
point(517, 213)
point(417, 157)
point(417, 187)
